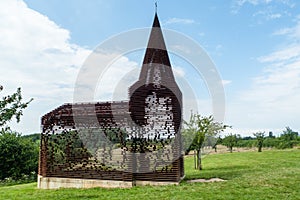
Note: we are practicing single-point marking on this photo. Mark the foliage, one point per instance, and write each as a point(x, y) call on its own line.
point(260, 137)
point(18, 155)
point(33, 137)
point(248, 143)
point(22, 180)
point(271, 142)
point(231, 141)
point(67, 147)
point(288, 139)
point(218, 141)
point(116, 135)
point(188, 137)
point(202, 129)
point(12, 106)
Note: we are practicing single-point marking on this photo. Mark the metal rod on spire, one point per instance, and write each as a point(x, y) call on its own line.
point(156, 7)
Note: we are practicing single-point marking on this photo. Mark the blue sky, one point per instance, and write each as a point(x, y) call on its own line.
point(255, 45)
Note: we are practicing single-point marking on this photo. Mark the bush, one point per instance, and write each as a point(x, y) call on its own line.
point(283, 145)
point(288, 139)
point(24, 179)
point(18, 156)
point(271, 142)
point(246, 143)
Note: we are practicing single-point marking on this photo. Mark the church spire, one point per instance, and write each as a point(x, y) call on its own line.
point(156, 52)
point(156, 21)
point(156, 80)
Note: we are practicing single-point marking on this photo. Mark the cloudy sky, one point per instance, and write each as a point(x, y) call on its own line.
point(254, 44)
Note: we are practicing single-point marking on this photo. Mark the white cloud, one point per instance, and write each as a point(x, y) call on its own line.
point(274, 16)
point(113, 85)
point(267, 14)
point(226, 82)
point(266, 9)
point(285, 54)
point(283, 31)
point(37, 55)
point(252, 2)
point(293, 33)
point(179, 21)
point(201, 34)
point(178, 71)
point(274, 96)
point(249, 131)
point(290, 52)
point(240, 3)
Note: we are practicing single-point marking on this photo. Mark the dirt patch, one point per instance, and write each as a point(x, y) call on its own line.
point(223, 149)
point(206, 180)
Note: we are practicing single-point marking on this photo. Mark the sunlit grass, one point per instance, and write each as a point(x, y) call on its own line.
point(273, 174)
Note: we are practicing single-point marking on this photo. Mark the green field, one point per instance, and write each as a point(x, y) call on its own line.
point(273, 174)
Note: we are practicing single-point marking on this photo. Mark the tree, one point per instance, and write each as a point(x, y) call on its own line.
point(288, 138)
point(201, 127)
point(18, 155)
point(230, 141)
point(67, 147)
point(188, 137)
point(271, 134)
point(12, 106)
point(260, 137)
point(219, 141)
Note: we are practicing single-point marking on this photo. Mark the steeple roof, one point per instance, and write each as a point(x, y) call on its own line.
point(156, 21)
point(156, 68)
point(156, 51)
point(156, 78)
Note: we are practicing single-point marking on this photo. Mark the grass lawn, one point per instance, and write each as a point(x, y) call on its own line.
point(273, 174)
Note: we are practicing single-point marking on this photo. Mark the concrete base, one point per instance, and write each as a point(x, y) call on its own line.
point(56, 183)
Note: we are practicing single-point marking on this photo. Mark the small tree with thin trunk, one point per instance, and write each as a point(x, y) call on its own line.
point(260, 137)
point(230, 141)
point(219, 141)
point(202, 127)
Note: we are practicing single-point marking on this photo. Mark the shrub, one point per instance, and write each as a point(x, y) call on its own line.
point(18, 156)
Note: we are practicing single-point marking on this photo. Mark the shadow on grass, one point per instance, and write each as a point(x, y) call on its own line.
point(226, 172)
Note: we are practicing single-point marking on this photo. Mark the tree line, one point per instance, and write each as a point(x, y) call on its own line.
point(200, 133)
point(288, 139)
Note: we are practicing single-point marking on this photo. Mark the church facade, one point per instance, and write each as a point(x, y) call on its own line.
point(131, 142)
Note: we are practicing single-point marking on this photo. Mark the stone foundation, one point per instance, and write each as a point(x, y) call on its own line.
point(56, 183)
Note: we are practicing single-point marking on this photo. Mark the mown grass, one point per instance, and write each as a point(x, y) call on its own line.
point(273, 174)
